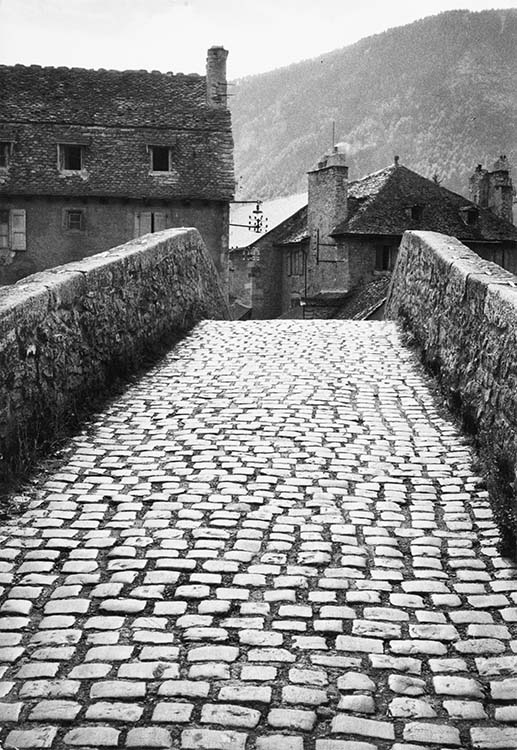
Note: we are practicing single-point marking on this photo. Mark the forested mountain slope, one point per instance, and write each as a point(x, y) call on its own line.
point(440, 92)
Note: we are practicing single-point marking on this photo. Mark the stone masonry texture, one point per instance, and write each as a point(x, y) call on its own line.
point(274, 539)
point(64, 333)
point(116, 115)
point(462, 311)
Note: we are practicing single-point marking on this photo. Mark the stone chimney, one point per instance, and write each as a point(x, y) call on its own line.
point(478, 186)
point(494, 190)
point(328, 195)
point(216, 94)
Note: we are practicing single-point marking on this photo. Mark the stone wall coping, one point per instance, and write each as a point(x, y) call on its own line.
point(462, 312)
point(66, 332)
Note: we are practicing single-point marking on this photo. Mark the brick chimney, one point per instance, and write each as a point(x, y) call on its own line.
point(216, 94)
point(328, 194)
point(494, 190)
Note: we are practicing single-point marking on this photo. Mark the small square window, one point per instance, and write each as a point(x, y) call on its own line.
point(74, 219)
point(160, 158)
point(70, 157)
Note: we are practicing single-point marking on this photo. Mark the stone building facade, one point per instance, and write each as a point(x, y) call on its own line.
point(335, 251)
point(90, 159)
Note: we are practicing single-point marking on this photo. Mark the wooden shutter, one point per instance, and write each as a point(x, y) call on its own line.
point(4, 229)
point(143, 223)
point(18, 229)
point(160, 221)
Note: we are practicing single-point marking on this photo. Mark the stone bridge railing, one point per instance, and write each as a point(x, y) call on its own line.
point(462, 312)
point(66, 333)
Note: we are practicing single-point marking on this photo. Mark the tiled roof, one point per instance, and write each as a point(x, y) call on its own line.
point(363, 298)
point(381, 204)
point(117, 115)
point(96, 97)
point(354, 305)
point(280, 234)
point(296, 230)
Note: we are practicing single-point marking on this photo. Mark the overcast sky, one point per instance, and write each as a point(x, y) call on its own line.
point(175, 34)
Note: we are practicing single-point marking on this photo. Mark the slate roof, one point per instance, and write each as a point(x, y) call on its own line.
point(363, 298)
point(380, 204)
point(296, 229)
point(117, 115)
point(281, 234)
point(358, 304)
point(96, 97)
point(299, 233)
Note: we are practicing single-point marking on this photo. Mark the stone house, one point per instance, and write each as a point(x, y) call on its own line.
point(92, 158)
point(342, 246)
point(243, 249)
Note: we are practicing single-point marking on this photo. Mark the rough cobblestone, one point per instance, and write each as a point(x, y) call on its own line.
point(275, 540)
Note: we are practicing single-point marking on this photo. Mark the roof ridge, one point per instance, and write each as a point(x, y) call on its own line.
point(76, 69)
point(391, 167)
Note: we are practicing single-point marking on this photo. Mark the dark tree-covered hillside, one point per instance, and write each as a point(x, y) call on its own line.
point(440, 92)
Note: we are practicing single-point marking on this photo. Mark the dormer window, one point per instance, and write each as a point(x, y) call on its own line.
point(160, 158)
point(470, 215)
point(70, 157)
point(416, 213)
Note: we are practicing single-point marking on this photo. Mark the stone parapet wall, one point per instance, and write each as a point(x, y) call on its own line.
point(462, 311)
point(67, 333)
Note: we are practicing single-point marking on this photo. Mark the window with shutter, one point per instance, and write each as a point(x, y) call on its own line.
point(146, 222)
point(150, 221)
point(4, 230)
point(74, 219)
point(18, 229)
point(159, 222)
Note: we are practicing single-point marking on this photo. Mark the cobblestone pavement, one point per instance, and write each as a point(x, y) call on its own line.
point(274, 541)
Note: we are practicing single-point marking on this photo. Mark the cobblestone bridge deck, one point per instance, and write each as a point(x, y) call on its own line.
point(274, 541)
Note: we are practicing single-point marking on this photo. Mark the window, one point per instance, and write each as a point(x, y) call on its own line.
point(470, 215)
point(150, 221)
point(74, 219)
point(295, 262)
point(4, 230)
point(160, 158)
point(70, 157)
point(12, 229)
point(415, 213)
point(5, 153)
point(383, 258)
